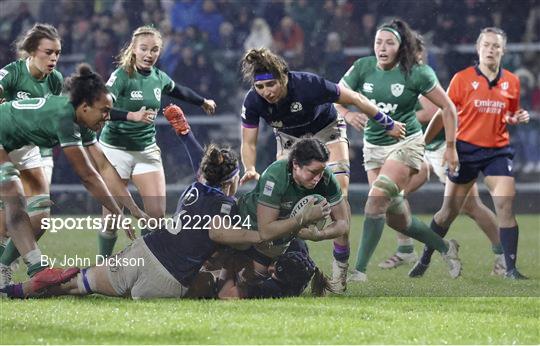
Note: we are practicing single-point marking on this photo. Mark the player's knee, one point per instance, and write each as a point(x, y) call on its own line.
point(39, 204)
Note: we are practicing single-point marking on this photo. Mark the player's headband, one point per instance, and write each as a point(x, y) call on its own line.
point(231, 175)
point(264, 76)
point(393, 31)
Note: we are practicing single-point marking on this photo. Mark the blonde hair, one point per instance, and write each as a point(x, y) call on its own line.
point(126, 58)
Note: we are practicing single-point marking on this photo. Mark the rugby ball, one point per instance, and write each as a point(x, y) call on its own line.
point(301, 204)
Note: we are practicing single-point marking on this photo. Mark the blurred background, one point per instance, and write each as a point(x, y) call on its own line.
point(204, 41)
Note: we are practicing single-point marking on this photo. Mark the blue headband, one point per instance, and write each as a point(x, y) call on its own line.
point(231, 175)
point(264, 76)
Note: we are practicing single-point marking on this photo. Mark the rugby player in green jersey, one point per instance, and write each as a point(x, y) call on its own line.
point(433, 159)
point(46, 123)
point(393, 80)
point(285, 182)
point(131, 147)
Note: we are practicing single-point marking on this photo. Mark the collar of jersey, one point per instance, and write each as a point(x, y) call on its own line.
point(494, 82)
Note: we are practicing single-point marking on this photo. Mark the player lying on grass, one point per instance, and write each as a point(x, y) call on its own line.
point(49, 121)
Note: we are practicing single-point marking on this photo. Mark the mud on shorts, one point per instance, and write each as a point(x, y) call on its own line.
point(409, 151)
point(136, 271)
point(128, 163)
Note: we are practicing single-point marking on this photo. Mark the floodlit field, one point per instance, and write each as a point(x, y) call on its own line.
point(391, 308)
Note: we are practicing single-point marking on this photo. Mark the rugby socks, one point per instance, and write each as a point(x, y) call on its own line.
point(194, 150)
point(341, 252)
point(405, 246)
point(428, 250)
point(373, 228)
point(497, 249)
point(509, 241)
point(32, 259)
point(106, 241)
point(83, 282)
point(10, 254)
point(14, 291)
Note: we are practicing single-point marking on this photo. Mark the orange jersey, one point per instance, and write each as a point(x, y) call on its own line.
point(482, 106)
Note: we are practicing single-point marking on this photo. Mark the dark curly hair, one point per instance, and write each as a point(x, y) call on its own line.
point(84, 86)
point(218, 164)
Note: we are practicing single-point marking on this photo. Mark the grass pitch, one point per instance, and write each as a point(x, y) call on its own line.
point(390, 308)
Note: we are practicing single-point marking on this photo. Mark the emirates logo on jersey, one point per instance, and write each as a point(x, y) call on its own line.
point(504, 86)
point(397, 89)
point(475, 85)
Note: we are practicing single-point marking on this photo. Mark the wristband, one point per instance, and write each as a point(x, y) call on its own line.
point(384, 120)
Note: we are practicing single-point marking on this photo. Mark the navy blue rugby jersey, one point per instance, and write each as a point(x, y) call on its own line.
point(307, 108)
point(182, 251)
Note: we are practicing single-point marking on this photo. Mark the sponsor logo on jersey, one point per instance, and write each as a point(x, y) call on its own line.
point(268, 188)
point(475, 85)
point(388, 108)
point(191, 196)
point(277, 124)
point(489, 106)
point(397, 89)
point(367, 87)
point(157, 93)
point(136, 95)
point(3, 73)
point(296, 107)
point(225, 209)
point(111, 80)
point(504, 86)
point(23, 95)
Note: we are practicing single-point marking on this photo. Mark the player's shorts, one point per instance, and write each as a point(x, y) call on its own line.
point(26, 157)
point(435, 158)
point(148, 279)
point(128, 163)
point(409, 151)
point(490, 161)
point(334, 132)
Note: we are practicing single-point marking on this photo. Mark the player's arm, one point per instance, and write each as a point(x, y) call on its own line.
point(248, 153)
point(355, 119)
point(271, 228)
point(231, 236)
point(427, 111)
point(143, 115)
point(187, 94)
point(115, 184)
point(393, 128)
point(340, 225)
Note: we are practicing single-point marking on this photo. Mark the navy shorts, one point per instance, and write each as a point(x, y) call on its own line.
point(474, 159)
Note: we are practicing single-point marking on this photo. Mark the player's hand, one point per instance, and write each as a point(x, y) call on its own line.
point(450, 160)
point(138, 213)
point(249, 175)
point(311, 232)
point(209, 106)
point(398, 132)
point(143, 115)
point(356, 120)
point(312, 212)
point(522, 116)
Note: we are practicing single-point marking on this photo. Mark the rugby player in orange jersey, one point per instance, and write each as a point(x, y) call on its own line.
point(487, 99)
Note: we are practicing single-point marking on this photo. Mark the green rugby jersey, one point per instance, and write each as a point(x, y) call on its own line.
point(277, 189)
point(392, 92)
point(130, 94)
point(43, 122)
point(18, 84)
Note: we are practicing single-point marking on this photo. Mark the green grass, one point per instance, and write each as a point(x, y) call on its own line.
point(391, 308)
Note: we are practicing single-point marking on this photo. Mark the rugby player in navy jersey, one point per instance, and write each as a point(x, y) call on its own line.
point(297, 105)
point(164, 263)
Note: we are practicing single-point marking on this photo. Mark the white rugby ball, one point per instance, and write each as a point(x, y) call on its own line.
point(301, 204)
